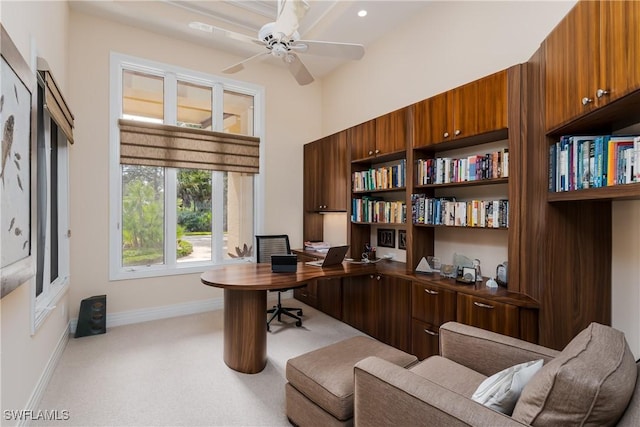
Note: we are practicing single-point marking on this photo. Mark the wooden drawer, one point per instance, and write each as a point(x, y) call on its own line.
point(307, 294)
point(425, 340)
point(487, 314)
point(329, 296)
point(431, 304)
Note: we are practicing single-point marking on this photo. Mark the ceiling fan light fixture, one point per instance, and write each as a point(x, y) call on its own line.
point(362, 13)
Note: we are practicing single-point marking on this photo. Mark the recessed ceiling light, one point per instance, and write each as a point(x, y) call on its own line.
point(201, 26)
point(362, 13)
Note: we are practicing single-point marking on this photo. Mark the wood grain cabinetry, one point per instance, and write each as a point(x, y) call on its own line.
point(329, 296)
point(431, 306)
point(380, 137)
point(395, 313)
point(325, 174)
point(488, 314)
point(308, 294)
point(591, 59)
point(473, 109)
point(361, 303)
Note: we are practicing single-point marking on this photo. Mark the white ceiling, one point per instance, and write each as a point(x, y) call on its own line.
point(327, 20)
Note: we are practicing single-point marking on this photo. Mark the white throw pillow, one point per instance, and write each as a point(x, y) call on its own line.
point(501, 391)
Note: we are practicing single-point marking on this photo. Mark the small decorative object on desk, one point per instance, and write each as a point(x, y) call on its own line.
point(476, 266)
point(448, 270)
point(501, 274)
point(492, 283)
point(424, 267)
point(468, 275)
point(434, 262)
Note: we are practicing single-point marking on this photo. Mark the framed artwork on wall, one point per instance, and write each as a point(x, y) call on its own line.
point(386, 238)
point(17, 127)
point(402, 239)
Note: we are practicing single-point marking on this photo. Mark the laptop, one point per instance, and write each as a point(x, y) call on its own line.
point(334, 256)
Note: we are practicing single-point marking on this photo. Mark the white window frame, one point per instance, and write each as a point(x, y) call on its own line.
point(171, 74)
point(42, 305)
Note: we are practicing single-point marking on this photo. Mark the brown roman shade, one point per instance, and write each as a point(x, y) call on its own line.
point(151, 144)
point(54, 101)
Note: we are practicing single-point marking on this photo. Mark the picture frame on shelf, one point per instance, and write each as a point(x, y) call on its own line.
point(402, 239)
point(17, 122)
point(386, 238)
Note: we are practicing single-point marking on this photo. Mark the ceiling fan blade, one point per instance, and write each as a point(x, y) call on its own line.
point(290, 13)
point(334, 49)
point(298, 70)
point(240, 65)
point(236, 36)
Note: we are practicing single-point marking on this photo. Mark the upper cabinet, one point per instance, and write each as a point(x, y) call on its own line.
point(325, 174)
point(383, 136)
point(473, 109)
point(591, 59)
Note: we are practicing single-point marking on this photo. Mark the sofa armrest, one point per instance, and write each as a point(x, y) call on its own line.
point(485, 351)
point(389, 395)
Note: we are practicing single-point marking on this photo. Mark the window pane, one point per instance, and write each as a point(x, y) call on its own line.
point(53, 208)
point(142, 215)
point(238, 214)
point(238, 113)
point(142, 96)
point(194, 105)
point(194, 215)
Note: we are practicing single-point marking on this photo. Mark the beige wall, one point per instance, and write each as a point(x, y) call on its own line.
point(37, 28)
point(292, 119)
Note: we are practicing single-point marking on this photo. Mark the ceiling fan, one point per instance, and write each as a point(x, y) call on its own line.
point(282, 40)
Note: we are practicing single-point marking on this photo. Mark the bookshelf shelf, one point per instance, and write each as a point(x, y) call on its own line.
point(460, 227)
point(390, 224)
point(381, 190)
point(492, 181)
point(616, 192)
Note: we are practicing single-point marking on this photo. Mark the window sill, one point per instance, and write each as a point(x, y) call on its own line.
point(46, 304)
point(142, 272)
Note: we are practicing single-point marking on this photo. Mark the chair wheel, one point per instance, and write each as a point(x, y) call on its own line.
point(298, 323)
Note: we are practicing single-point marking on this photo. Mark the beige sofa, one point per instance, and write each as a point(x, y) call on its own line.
point(593, 381)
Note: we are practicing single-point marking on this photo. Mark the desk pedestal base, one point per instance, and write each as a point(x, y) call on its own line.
point(245, 330)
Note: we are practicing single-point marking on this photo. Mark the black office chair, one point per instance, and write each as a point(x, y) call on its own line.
point(276, 245)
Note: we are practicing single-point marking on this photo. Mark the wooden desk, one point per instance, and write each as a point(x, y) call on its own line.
point(245, 304)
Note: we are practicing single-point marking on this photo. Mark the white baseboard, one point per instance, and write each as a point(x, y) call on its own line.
point(43, 381)
point(168, 311)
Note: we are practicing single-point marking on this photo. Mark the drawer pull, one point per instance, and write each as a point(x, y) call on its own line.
point(481, 305)
point(433, 334)
point(430, 292)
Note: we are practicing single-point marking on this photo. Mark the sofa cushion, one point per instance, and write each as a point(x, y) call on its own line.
point(449, 374)
point(589, 383)
point(325, 375)
point(501, 391)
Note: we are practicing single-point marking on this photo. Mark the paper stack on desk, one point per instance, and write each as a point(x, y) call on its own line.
point(317, 246)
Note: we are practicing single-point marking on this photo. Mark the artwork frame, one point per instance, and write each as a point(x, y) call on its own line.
point(386, 238)
point(402, 239)
point(18, 122)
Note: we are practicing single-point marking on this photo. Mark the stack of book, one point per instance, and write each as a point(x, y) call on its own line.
point(579, 162)
point(382, 178)
point(373, 209)
point(451, 212)
point(444, 170)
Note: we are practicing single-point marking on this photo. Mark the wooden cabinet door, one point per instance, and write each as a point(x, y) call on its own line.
point(307, 294)
point(493, 316)
point(391, 132)
point(363, 140)
point(465, 110)
point(360, 303)
point(620, 49)
point(432, 305)
point(433, 120)
point(329, 293)
point(311, 173)
point(395, 313)
point(571, 64)
point(333, 185)
point(425, 340)
point(491, 103)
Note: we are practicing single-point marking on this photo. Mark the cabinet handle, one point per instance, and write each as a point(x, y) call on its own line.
point(457, 132)
point(430, 292)
point(377, 151)
point(370, 152)
point(481, 305)
point(586, 101)
point(433, 334)
point(602, 92)
point(446, 135)
point(379, 277)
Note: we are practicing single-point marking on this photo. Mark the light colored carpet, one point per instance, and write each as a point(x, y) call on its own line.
point(170, 372)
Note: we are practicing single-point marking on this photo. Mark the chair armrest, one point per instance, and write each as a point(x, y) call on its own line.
point(485, 351)
point(389, 395)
